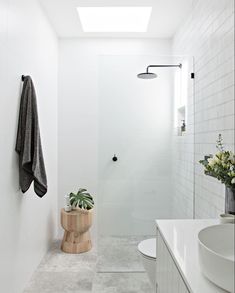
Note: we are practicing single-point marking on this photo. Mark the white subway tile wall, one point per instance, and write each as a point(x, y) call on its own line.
point(208, 35)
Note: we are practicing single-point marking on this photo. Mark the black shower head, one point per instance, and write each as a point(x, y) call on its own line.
point(150, 75)
point(147, 75)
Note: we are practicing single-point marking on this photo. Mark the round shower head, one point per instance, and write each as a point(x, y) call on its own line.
point(147, 75)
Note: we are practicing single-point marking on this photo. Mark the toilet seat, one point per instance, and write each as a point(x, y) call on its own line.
point(148, 248)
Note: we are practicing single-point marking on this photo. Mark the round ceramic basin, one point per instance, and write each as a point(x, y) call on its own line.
point(216, 255)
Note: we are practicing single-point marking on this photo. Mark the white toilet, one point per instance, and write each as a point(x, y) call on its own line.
point(147, 249)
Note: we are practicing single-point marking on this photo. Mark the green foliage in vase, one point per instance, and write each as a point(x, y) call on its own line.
point(221, 165)
point(81, 199)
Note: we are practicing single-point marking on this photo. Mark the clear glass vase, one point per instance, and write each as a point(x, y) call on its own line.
point(229, 200)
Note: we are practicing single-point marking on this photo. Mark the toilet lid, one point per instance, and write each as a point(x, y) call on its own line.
point(148, 247)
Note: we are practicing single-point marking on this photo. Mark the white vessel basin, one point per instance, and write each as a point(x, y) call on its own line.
point(216, 255)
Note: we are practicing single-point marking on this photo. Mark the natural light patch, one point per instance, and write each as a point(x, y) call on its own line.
point(114, 19)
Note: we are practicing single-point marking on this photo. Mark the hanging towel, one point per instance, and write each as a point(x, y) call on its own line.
point(28, 142)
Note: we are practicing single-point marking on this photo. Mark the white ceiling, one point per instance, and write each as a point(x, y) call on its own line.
point(167, 15)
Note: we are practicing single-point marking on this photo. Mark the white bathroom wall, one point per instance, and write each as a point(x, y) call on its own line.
point(208, 35)
point(79, 97)
point(27, 223)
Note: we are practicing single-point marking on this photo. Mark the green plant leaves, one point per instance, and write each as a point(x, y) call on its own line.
point(82, 199)
point(81, 190)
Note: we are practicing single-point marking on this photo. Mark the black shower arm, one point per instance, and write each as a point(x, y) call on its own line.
point(177, 65)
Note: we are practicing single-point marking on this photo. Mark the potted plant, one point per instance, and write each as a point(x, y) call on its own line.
point(78, 222)
point(222, 166)
point(81, 200)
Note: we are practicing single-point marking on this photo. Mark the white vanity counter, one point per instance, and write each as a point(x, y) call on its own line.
point(179, 237)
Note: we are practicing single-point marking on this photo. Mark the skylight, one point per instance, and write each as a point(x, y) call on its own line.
point(114, 19)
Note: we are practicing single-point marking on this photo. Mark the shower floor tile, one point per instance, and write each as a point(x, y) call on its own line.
point(60, 282)
point(119, 254)
point(58, 261)
point(121, 283)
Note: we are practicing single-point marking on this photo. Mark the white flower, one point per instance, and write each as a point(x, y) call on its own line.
point(219, 155)
point(232, 157)
point(233, 181)
point(216, 159)
point(211, 162)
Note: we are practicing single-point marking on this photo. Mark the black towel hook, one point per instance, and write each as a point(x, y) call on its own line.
point(22, 77)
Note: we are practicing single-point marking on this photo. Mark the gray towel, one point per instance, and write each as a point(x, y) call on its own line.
point(28, 142)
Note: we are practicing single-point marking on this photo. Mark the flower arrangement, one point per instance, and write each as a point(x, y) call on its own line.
point(221, 165)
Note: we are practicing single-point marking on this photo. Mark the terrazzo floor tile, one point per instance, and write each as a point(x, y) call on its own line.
point(121, 283)
point(66, 282)
point(59, 261)
point(119, 254)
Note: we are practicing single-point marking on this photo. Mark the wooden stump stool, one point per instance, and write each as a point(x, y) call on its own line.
point(76, 235)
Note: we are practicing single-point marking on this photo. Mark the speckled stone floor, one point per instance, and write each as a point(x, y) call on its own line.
point(114, 268)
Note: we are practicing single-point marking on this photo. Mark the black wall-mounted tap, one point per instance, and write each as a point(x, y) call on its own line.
point(115, 158)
